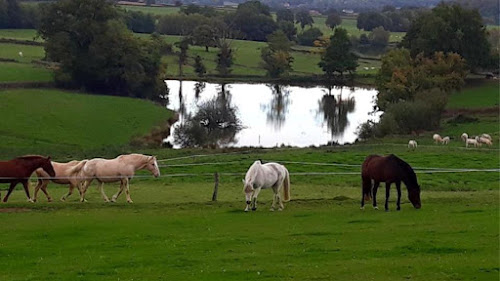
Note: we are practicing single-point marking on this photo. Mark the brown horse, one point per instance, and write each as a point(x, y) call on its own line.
point(19, 170)
point(388, 169)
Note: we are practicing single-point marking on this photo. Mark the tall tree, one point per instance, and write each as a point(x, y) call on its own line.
point(285, 15)
point(224, 57)
point(96, 50)
point(253, 19)
point(338, 57)
point(333, 20)
point(276, 58)
point(450, 28)
point(199, 67)
point(205, 36)
point(304, 18)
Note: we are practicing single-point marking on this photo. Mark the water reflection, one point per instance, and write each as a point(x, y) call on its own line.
point(215, 123)
point(214, 115)
point(278, 106)
point(335, 110)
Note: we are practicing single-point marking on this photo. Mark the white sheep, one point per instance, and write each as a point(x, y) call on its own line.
point(484, 140)
point(474, 142)
point(464, 137)
point(445, 140)
point(20, 54)
point(412, 144)
point(437, 138)
point(486, 136)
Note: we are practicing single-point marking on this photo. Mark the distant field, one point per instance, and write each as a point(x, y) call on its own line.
point(29, 53)
point(488, 95)
point(22, 72)
point(153, 10)
point(22, 34)
point(35, 120)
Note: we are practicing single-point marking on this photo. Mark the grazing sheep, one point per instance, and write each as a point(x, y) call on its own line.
point(445, 140)
point(484, 140)
point(464, 137)
point(486, 136)
point(437, 138)
point(20, 54)
point(474, 142)
point(412, 144)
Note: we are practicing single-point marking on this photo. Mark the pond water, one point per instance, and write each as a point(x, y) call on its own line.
point(266, 115)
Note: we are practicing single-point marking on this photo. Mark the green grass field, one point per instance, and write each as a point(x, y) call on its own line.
point(35, 120)
point(21, 72)
point(473, 97)
point(20, 34)
point(173, 232)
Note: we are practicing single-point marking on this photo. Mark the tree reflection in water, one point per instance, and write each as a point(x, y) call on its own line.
point(215, 123)
point(278, 107)
point(198, 89)
point(335, 110)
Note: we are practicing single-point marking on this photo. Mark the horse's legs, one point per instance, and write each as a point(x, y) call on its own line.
point(26, 186)
point(387, 193)
point(127, 190)
point(83, 189)
point(398, 187)
point(44, 189)
point(275, 193)
point(11, 187)
point(255, 194)
point(37, 188)
point(70, 191)
point(122, 186)
point(100, 186)
point(375, 188)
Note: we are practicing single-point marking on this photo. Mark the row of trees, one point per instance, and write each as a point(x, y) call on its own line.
point(389, 18)
point(13, 15)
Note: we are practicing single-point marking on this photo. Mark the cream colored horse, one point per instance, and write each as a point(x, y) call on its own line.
point(121, 169)
point(66, 173)
point(264, 176)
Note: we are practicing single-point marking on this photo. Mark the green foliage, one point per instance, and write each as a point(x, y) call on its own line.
point(199, 67)
point(304, 18)
point(333, 20)
point(224, 58)
point(13, 15)
point(450, 28)
point(140, 22)
point(308, 36)
point(337, 57)
point(368, 21)
point(204, 35)
point(401, 77)
point(182, 24)
point(195, 9)
point(289, 29)
point(97, 52)
point(253, 19)
point(379, 37)
point(285, 15)
point(276, 57)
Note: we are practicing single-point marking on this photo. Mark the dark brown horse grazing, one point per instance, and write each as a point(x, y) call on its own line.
point(388, 169)
point(19, 170)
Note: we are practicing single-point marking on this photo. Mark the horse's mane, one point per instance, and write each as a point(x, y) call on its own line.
point(29, 157)
point(410, 174)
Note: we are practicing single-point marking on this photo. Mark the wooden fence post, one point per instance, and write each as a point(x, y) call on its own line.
point(216, 187)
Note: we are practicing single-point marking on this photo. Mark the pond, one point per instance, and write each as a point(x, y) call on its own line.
point(266, 115)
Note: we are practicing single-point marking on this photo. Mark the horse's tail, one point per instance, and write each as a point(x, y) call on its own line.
point(367, 189)
point(286, 187)
point(77, 168)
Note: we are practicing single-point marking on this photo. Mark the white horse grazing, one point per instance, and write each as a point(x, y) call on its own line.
point(484, 140)
point(437, 138)
point(486, 136)
point(464, 137)
point(121, 169)
point(474, 142)
point(412, 144)
point(266, 175)
point(66, 173)
point(445, 140)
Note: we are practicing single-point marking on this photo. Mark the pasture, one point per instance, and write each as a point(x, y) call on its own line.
point(173, 231)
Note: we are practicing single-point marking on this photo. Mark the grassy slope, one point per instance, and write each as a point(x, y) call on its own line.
point(473, 97)
point(43, 120)
point(20, 72)
point(21, 34)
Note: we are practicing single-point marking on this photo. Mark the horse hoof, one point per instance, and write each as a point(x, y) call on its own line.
point(280, 209)
point(31, 200)
point(362, 207)
point(130, 201)
point(64, 199)
point(272, 210)
point(49, 200)
point(375, 208)
point(246, 210)
point(254, 209)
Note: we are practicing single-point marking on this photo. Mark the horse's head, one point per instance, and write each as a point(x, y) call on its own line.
point(152, 166)
point(47, 167)
point(414, 196)
point(247, 189)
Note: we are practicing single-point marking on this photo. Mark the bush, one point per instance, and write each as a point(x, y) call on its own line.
point(308, 37)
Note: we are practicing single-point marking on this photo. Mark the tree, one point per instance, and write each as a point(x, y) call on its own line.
point(253, 19)
point(379, 37)
point(224, 58)
point(368, 21)
point(276, 58)
point(199, 67)
point(450, 28)
point(333, 20)
point(289, 29)
point(97, 52)
point(183, 46)
point(338, 57)
point(14, 14)
point(205, 36)
point(140, 22)
point(308, 37)
point(304, 18)
point(285, 15)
